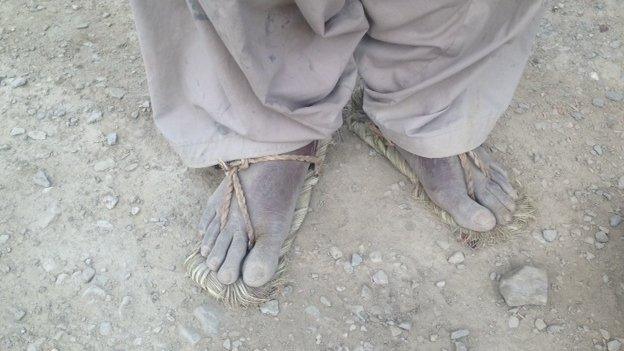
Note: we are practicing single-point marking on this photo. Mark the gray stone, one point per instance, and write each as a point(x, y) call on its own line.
point(110, 201)
point(104, 165)
point(270, 307)
point(554, 328)
point(117, 93)
point(602, 237)
point(18, 314)
point(598, 150)
point(598, 102)
point(189, 334)
point(17, 131)
point(37, 135)
point(615, 220)
point(94, 116)
point(87, 274)
point(614, 345)
point(456, 258)
point(356, 260)
point(18, 82)
point(460, 333)
point(526, 285)
point(208, 318)
point(620, 183)
point(41, 178)
point(615, 96)
point(4, 238)
point(380, 278)
point(540, 324)
point(549, 235)
point(111, 138)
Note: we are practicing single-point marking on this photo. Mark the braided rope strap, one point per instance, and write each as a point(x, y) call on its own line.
point(464, 160)
point(235, 188)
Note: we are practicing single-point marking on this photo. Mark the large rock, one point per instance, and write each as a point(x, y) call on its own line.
point(526, 285)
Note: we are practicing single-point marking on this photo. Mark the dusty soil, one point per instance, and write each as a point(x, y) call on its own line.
point(76, 275)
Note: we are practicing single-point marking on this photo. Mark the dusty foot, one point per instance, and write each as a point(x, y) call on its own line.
point(443, 181)
point(271, 189)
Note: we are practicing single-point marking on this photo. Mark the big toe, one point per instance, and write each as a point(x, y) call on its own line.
point(261, 264)
point(469, 214)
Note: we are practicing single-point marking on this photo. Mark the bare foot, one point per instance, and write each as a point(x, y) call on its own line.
point(444, 182)
point(271, 189)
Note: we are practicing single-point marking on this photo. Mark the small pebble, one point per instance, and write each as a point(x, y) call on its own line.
point(456, 258)
point(17, 131)
point(441, 284)
point(94, 116)
point(117, 93)
point(270, 307)
point(4, 238)
point(110, 201)
point(111, 138)
point(615, 221)
point(18, 314)
point(356, 260)
point(549, 235)
point(554, 328)
point(460, 333)
point(87, 274)
point(614, 345)
point(602, 237)
point(18, 82)
point(615, 96)
point(598, 102)
point(135, 210)
point(37, 135)
point(380, 278)
point(41, 178)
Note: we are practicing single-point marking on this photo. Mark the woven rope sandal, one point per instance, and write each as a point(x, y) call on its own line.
point(366, 130)
point(240, 294)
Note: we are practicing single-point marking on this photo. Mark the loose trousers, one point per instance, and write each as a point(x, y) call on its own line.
point(232, 79)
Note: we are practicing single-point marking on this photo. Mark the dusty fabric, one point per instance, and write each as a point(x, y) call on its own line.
point(238, 79)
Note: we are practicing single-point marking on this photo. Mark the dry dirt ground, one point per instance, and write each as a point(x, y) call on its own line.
point(76, 275)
